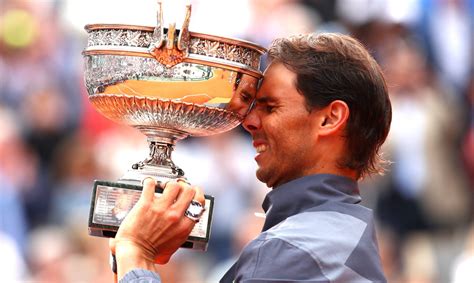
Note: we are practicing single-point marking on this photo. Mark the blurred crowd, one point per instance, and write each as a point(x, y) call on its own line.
point(53, 144)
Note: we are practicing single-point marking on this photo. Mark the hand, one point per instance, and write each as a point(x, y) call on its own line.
point(155, 227)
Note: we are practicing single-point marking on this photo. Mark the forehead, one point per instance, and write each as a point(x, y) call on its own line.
point(278, 81)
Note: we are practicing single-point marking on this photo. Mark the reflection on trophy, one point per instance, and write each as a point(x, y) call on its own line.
point(169, 84)
point(123, 205)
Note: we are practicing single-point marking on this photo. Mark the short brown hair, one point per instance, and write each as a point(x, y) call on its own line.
point(332, 67)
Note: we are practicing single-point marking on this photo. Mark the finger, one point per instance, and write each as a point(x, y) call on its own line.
point(199, 196)
point(170, 193)
point(148, 191)
point(184, 198)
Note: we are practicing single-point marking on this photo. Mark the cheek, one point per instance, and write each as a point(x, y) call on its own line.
point(294, 143)
point(288, 135)
point(286, 149)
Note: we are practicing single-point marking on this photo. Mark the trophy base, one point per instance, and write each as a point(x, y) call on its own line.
point(159, 173)
point(111, 202)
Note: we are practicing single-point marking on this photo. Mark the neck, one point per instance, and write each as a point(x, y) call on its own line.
point(323, 169)
point(329, 163)
point(334, 170)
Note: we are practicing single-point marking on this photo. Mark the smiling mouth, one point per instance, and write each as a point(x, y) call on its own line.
point(261, 148)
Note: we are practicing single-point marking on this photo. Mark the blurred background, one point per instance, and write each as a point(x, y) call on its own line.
point(53, 144)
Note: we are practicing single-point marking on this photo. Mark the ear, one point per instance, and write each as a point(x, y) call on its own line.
point(333, 118)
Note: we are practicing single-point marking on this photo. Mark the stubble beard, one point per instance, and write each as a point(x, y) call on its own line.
point(264, 176)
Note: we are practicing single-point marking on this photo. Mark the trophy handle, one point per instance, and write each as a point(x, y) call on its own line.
point(184, 37)
point(173, 53)
point(158, 32)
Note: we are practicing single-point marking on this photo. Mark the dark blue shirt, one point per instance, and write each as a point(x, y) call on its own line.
point(315, 231)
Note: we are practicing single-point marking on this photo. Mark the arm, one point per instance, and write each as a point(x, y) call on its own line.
point(155, 227)
point(140, 275)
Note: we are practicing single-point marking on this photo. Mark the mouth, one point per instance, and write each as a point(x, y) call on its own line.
point(261, 148)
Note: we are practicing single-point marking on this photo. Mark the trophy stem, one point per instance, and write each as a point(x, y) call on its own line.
point(159, 156)
point(158, 164)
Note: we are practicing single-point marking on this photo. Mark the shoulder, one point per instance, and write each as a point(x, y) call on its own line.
point(321, 231)
point(326, 245)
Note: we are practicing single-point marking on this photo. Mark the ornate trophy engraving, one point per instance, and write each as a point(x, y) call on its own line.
point(169, 84)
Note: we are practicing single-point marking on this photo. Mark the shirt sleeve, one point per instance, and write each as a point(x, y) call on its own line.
point(140, 276)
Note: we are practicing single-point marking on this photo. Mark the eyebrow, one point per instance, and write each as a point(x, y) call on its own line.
point(264, 99)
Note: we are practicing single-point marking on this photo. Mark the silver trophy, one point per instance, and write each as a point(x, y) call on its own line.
point(169, 84)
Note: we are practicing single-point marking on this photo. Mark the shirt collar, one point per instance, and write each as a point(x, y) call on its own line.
point(306, 192)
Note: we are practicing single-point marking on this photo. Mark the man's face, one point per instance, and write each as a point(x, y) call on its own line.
point(282, 129)
point(243, 95)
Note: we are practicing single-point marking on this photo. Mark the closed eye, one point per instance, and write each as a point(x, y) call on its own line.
point(265, 107)
point(246, 97)
point(269, 108)
point(266, 104)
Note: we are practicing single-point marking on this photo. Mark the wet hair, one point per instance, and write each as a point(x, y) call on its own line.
point(332, 67)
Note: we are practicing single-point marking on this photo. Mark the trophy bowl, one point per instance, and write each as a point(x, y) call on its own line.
point(170, 84)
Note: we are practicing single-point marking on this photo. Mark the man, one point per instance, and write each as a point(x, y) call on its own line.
point(319, 120)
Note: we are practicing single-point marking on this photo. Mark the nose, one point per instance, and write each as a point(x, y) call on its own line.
point(251, 122)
